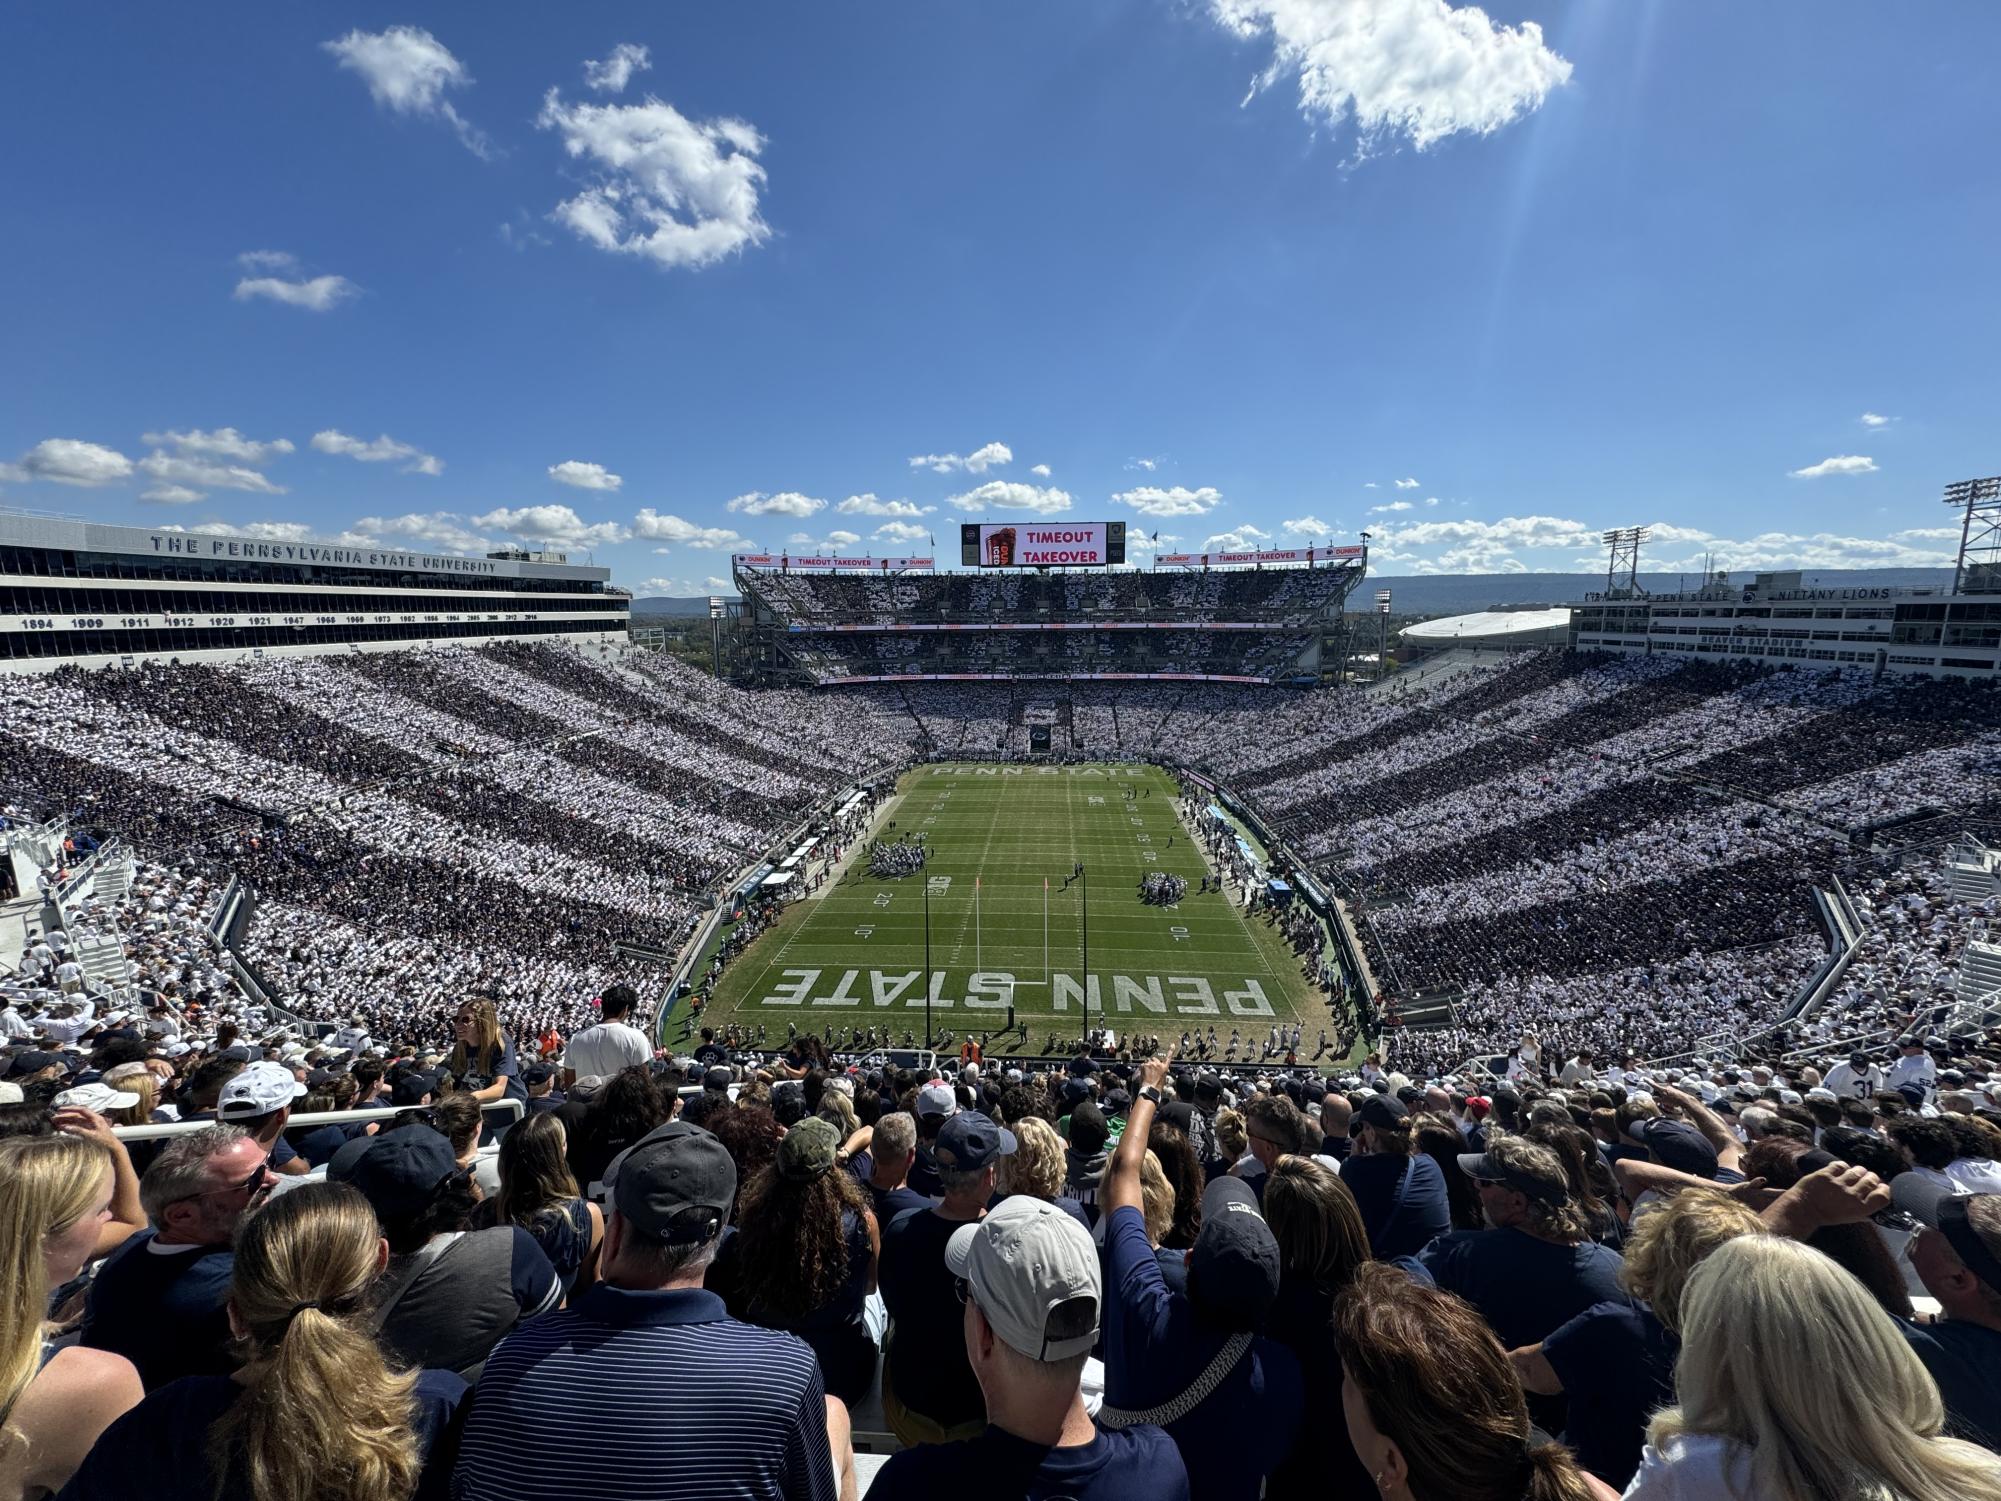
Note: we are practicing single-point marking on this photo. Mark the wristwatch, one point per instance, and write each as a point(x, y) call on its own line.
point(1152, 1092)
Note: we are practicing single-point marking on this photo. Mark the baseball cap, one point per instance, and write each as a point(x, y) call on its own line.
point(98, 1097)
point(1034, 1272)
point(676, 1184)
point(410, 1088)
point(33, 1061)
point(1487, 1169)
point(1233, 1268)
point(1677, 1145)
point(257, 1090)
point(717, 1078)
point(1941, 1208)
point(1913, 1093)
point(1821, 1095)
point(970, 1140)
point(538, 1073)
point(808, 1149)
point(1384, 1112)
point(1208, 1087)
point(937, 1099)
point(10, 1094)
point(1089, 1131)
point(402, 1170)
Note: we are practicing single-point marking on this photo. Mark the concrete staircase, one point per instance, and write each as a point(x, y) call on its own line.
point(1974, 871)
point(106, 969)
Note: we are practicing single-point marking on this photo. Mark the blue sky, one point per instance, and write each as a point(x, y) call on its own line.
point(657, 282)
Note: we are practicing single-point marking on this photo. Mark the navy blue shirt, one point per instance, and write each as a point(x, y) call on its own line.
point(165, 1311)
point(1616, 1363)
point(1157, 1344)
point(1402, 1200)
point(654, 1393)
point(891, 1203)
point(1965, 1360)
point(999, 1466)
point(159, 1448)
point(925, 1354)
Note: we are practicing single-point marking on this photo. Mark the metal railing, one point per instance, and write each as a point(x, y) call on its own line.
point(157, 1129)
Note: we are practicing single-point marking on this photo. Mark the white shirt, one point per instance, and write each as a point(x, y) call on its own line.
point(1974, 1175)
point(1693, 1467)
point(605, 1049)
point(1918, 1070)
point(1850, 1083)
point(13, 1024)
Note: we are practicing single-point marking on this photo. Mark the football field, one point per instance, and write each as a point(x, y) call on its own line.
point(1009, 924)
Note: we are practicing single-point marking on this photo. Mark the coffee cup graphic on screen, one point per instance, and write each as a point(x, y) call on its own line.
point(1000, 547)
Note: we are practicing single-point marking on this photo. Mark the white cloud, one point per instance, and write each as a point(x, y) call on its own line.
point(179, 469)
point(1307, 526)
point(268, 260)
point(407, 71)
point(558, 524)
point(610, 75)
point(440, 529)
point(834, 541)
point(785, 503)
point(1841, 463)
point(1406, 484)
point(1010, 495)
point(299, 531)
point(1388, 506)
point(868, 505)
point(1876, 419)
point(71, 461)
point(979, 461)
point(1371, 485)
point(1431, 500)
point(901, 531)
point(1402, 70)
point(582, 476)
point(171, 495)
point(1146, 465)
point(718, 583)
point(671, 528)
point(659, 586)
point(1509, 531)
point(1040, 471)
point(675, 191)
point(1239, 539)
point(1151, 500)
point(1929, 534)
point(320, 294)
point(382, 450)
point(1139, 543)
point(221, 443)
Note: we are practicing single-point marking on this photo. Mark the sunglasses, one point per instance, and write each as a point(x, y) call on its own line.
point(251, 1182)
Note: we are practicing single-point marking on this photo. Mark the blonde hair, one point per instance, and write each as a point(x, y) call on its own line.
point(1035, 1166)
point(1873, 1432)
point(1670, 1240)
point(1232, 1135)
point(134, 1078)
point(324, 1418)
point(47, 1183)
point(1156, 1196)
point(487, 1049)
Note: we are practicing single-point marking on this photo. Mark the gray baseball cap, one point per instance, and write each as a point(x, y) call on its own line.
point(676, 1184)
point(1034, 1272)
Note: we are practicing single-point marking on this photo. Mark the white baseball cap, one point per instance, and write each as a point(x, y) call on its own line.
point(258, 1090)
point(98, 1097)
point(937, 1099)
point(1033, 1271)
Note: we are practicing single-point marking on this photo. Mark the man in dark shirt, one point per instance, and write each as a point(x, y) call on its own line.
point(161, 1300)
point(1537, 1267)
point(1400, 1193)
point(1029, 1278)
point(929, 1392)
point(1958, 1258)
point(891, 1151)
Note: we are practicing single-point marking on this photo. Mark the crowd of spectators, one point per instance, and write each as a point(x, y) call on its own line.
point(1077, 1279)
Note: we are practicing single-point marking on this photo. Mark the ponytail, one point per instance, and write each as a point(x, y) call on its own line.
point(322, 1418)
point(1554, 1475)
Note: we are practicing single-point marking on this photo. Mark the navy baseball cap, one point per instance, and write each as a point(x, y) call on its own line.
point(970, 1140)
point(402, 1170)
point(1233, 1269)
point(1384, 1112)
point(1676, 1144)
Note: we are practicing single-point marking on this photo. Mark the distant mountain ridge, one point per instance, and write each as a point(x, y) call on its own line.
point(1464, 593)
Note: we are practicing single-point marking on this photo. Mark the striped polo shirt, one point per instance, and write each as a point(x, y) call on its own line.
point(655, 1394)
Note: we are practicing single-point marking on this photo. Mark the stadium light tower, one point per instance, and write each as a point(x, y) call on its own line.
point(1978, 569)
point(1624, 543)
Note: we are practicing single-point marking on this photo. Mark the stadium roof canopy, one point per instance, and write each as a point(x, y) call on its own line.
point(1513, 627)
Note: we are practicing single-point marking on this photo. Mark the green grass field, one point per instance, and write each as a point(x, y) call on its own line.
point(854, 955)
